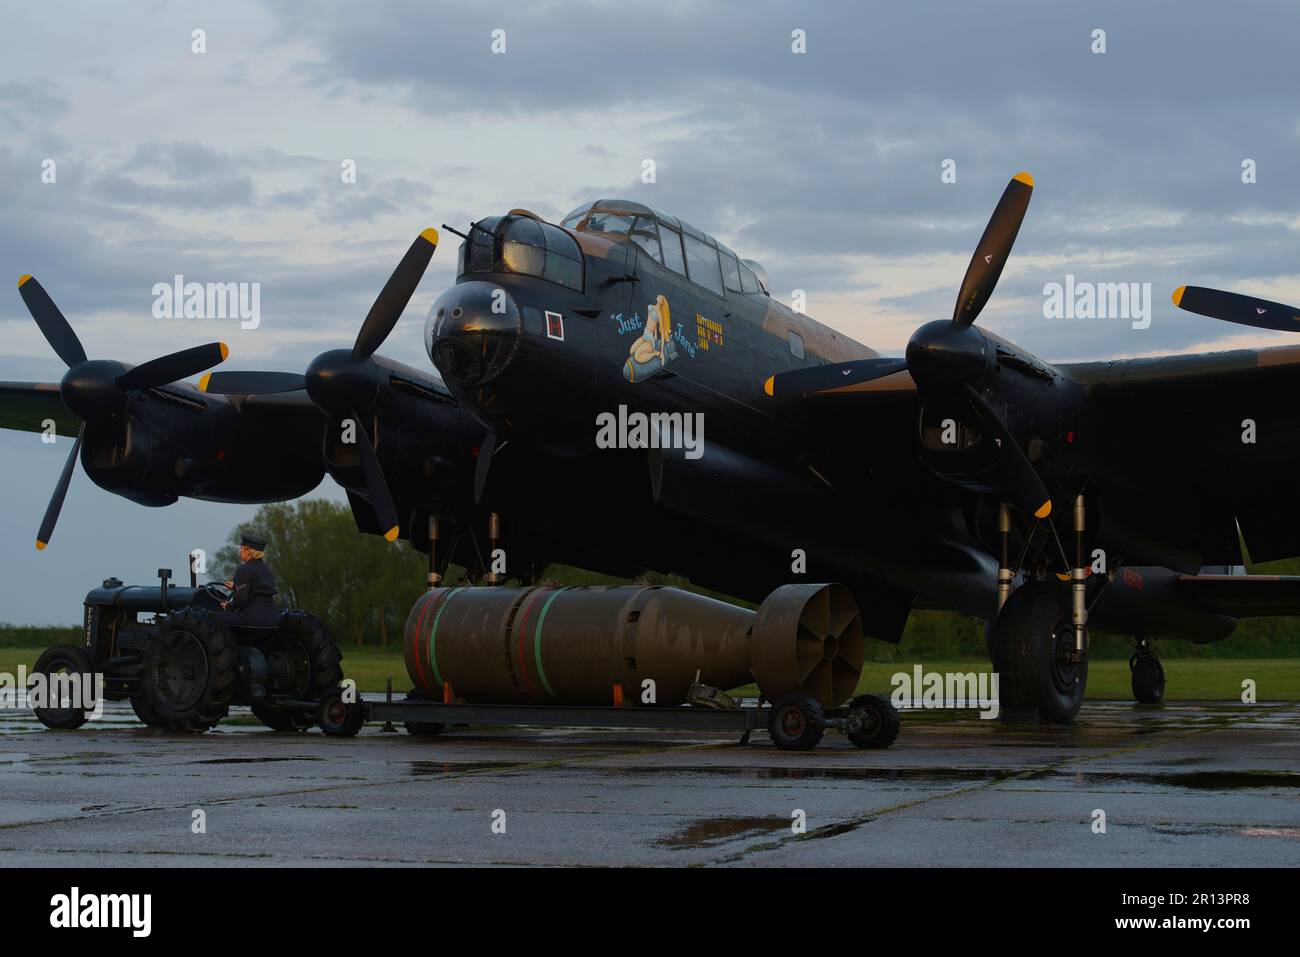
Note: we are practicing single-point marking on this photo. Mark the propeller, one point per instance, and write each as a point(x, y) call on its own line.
point(1234, 307)
point(341, 381)
point(94, 389)
point(947, 356)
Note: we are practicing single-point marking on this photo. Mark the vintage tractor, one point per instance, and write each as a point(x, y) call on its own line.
point(161, 647)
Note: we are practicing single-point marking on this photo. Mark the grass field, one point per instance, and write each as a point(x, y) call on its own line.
point(1188, 679)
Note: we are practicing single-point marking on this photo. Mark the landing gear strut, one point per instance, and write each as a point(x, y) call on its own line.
point(1148, 675)
point(1040, 640)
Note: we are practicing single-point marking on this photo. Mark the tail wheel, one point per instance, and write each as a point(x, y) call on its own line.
point(190, 672)
point(66, 660)
point(304, 662)
point(1148, 678)
point(872, 721)
point(797, 723)
point(1032, 649)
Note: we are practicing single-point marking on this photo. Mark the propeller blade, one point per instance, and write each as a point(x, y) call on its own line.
point(376, 485)
point(1026, 488)
point(397, 292)
point(60, 493)
point(251, 383)
point(837, 377)
point(1234, 307)
point(173, 367)
point(993, 250)
point(58, 333)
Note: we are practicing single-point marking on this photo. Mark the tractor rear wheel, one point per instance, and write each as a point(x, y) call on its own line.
point(304, 663)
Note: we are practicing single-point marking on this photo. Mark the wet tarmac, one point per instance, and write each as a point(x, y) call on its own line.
point(1184, 784)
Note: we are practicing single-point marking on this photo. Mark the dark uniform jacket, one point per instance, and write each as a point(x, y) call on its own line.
point(253, 602)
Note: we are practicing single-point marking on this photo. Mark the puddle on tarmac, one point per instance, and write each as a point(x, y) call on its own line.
point(1204, 780)
point(301, 757)
point(812, 774)
point(1192, 780)
point(716, 830)
point(420, 768)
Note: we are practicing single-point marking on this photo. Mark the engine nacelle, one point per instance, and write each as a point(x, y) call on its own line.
point(166, 445)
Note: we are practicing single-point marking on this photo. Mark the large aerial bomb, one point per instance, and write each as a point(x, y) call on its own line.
point(636, 645)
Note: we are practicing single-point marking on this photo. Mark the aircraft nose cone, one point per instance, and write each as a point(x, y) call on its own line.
point(472, 332)
point(89, 389)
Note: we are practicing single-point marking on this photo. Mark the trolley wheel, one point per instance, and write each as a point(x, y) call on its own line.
point(423, 729)
point(872, 721)
point(1148, 680)
point(338, 718)
point(63, 659)
point(280, 719)
point(797, 722)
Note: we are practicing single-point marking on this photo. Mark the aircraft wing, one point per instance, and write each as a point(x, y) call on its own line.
point(1244, 596)
point(1207, 445)
point(26, 406)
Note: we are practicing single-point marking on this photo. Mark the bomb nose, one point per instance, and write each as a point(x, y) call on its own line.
point(472, 332)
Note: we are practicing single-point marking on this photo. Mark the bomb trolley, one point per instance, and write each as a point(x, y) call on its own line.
point(795, 723)
point(635, 657)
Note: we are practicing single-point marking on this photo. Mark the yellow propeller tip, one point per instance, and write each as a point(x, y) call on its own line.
point(203, 381)
point(1024, 178)
point(767, 386)
point(40, 545)
point(23, 278)
point(1178, 295)
point(430, 235)
point(391, 534)
point(1044, 510)
point(225, 350)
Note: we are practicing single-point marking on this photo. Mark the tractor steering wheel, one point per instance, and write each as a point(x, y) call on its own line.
point(217, 591)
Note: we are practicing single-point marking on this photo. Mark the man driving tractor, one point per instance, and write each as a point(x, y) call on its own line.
point(252, 599)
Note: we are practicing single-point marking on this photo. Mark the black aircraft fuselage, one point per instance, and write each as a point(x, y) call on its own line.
point(548, 329)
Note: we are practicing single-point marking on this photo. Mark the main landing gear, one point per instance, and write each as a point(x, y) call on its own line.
point(1148, 675)
point(1039, 644)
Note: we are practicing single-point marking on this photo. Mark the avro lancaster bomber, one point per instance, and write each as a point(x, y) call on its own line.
point(1047, 498)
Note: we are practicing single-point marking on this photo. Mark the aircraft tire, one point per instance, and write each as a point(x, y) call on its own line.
point(1034, 634)
point(1148, 678)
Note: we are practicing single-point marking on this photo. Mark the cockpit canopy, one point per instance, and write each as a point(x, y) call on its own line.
point(522, 244)
point(671, 242)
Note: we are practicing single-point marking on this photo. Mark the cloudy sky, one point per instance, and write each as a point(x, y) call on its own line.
point(825, 166)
